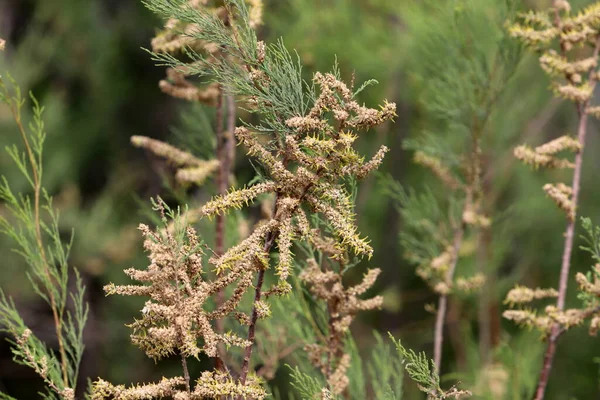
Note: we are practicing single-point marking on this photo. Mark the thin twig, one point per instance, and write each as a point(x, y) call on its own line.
point(186, 373)
point(269, 242)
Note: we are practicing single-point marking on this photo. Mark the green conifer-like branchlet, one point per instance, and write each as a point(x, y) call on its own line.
point(33, 224)
point(424, 373)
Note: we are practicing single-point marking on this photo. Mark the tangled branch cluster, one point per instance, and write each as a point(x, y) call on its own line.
point(308, 158)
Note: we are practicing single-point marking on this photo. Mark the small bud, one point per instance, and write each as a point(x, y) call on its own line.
point(260, 51)
point(562, 5)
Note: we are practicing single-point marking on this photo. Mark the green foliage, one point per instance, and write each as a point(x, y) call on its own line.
point(427, 221)
point(592, 246)
point(38, 240)
point(592, 238)
point(423, 372)
point(282, 98)
point(307, 385)
point(419, 369)
point(81, 58)
point(461, 65)
point(386, 371)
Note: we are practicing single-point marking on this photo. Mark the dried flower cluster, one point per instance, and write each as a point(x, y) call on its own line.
point(307, 173)
point(210, 385)
point(177, 318)
point(552, 315)
point(307, 170)
point(342, 305)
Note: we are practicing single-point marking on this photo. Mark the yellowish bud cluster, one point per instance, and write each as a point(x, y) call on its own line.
point(236, 199)
point(552, 315)
point(471, 284)
point(544, 155)
point(593, 111)
point(577, 93)
point(563, 143)
point(197, 174)
point(190, 168)
point(530, 319)
point(590, 286)
point(595, 325)
point(472, 217)
point(167, 387)
point(522, 295)
point(557, 65)
point(217, 384)
point(531, 36)
point(561, 194)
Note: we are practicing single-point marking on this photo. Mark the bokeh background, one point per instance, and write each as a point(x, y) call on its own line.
point(84, 60)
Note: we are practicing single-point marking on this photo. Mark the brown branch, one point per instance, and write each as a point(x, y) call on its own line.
point(569, 237)
point(269, 242)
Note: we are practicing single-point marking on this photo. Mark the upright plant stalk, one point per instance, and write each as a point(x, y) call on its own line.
point(574, 78)
point(569, 236)
point(225, 156)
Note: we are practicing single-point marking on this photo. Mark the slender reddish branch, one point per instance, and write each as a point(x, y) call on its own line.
point(569, 234)
point(220, 222)
point(443, 301)
point(221, 177)
point(471, 191)
point(566, 262)
point(225, 153)
point(269, 242)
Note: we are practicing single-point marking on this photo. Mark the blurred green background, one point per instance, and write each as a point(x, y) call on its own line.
point(83, 60)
